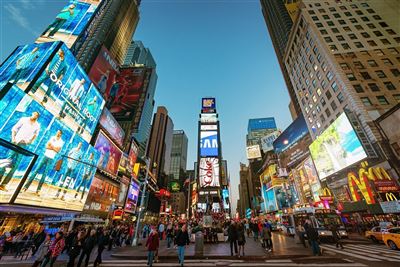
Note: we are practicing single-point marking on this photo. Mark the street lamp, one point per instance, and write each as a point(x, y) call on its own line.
point(141, 208)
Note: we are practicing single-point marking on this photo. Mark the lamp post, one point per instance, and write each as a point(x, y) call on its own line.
point(136, 237)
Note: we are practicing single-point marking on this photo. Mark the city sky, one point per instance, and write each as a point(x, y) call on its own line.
point(202, 48)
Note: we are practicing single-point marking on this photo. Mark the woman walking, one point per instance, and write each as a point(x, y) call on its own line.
point(42, 251)
point(152, 245)
point(182, 240)
point(241, 238)
point(55, 248)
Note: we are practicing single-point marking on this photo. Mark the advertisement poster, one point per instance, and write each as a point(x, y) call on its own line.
point(25, 63)
point(208, 118)
point(270, 200)
point(174, 186)
point(225, 198)
point(194, 194)
point(208, 143)
point(132, 197)
point(62, 174)
point(209, 172)
point(336, 148)
point(111, 126)
point(67, 92)
point(14, 165)
point(124, 167)
point(133, 153)
point(123, 190)
point(267, 142)
point(104, 72)
point(130, 88)
point(313, 180)
point(110, 154)
point(70, 22)
point(208, 105)
point(253, 152)
point(102, 195)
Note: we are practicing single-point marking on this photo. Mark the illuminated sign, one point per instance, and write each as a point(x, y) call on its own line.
point(208, 105)
point(208, 118)
point(132, 197)
point(102, 195)
point(109, 124)
point(390, 197)
point(267, 142)
point(253, 152)
point(209, 172)
point(110, 154)
point(208, 127)
point(225, 198)
point(208, 143)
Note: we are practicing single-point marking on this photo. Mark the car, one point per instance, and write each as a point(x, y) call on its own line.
point(375, 234)
point(391, 238)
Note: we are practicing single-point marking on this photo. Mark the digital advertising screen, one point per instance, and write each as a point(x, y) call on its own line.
point(209, 172)
point(123, 190)
point(253, 152)
point(174, 186)
point(336, 148)
point(209, 127)
point(104, 71)
point(270, 200)
point(22, 66)
point(208, 105)
point(103, 193)
point(124, 166)
point(133, 154)
point(312, 176)
point(208, 143)
point(65, 90)
point(66, 163)
point(208, 118)
point(70, 22)
point(110, 154)
point(225, 198)
point(111, 126)
point(129, 89)
point(267, 142)
point(132, 197)
point(15, 164)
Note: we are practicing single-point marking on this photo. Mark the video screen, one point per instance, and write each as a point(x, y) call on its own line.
point(110, 154)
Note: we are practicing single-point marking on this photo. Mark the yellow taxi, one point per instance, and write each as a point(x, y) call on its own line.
point(375, 234)
point(392, 238)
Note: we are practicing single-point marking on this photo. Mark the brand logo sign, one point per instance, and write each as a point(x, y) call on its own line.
point(208, 143)
point(208, 103)
point(209, 172)
point(390, 197)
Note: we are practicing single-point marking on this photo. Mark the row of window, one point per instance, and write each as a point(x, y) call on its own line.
point(381, 100)
point(337, 15)
point(371, 63)
point(332, 9)
point(374, 87)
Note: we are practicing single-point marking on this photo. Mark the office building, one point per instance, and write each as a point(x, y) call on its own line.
point(178, 203)
point(177, 169)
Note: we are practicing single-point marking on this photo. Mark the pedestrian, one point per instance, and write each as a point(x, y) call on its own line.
point(241, 238)
point(87, 247)
point(312, 235)
point(161, 228)
point(247, 227)
point(102, 240)
point(152, 245)
point(255, 230)
point(269, 240)
point(75, 243)
point(181, 241)
point(170, 235)
point(266, 236)
point(55, 249)
point(42, 250)
point(336, 236)
point(302, 233)
point(38, 239)
point(232, 237)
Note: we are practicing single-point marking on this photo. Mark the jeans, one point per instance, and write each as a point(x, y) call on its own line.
point(315, 247)
point(233, 243)
point(56, 25)
point(50, 259)
point(150, 257)
point(16, 160)
point(169, 241)
point(181, 254)
point(46, 163)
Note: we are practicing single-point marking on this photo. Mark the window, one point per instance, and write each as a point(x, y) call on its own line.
point(342, 22)
point(389, 86)
point(354, 6)
point(319, 76)
point(332, 9)
point(323, 32)
point(325, 16)
point(397, 39)
point(395, 72)
point(351, 77)
point(358, 65)
point(319, 24)
point(358, 88)
point(353, 20)
point(366, 101)
point(365, 34)
point(379, 52)
point(334, 86)
point(340, 97)
point(340, 37)
point(347, 29)
point(382, 100)
point(378, 33)
point(323, 103)
point(390, 31)
point(328, 39)
point(365, 18)
point(333, 48)
point(333, 105)
point(372, 43)
point(369, 10)
point(314, 18)
point(324, 67)
point(321, 10)
point(335, 30)
point(359, 12)
point(327, 112)
point(380, 74)
point(347, 13)
point(314, 98)
point(323, 84)
point(397, 97)
point(352, 36)
point(365, 75)
point(359, 27)
point(383, 24)
point(345, 46)
point(385, 41)
point(371, 26)
point(358, 45)
point(319, 92)
point(393, 51)
point(311, 12)
point(343, 8)
point(372, 63)
point(344, 66)
point(329, 75)
point(336, 15)
point(387, 62)
point(328, 95)
point(365, 53)
point(318, 108)
point(373, 87)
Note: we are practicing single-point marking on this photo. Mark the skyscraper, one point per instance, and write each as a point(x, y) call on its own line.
point(258, 128)
point(177, 167)
point(279, 16)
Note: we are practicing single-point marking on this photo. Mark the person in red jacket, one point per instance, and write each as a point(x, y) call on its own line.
point(55, 250)
point(152, 245)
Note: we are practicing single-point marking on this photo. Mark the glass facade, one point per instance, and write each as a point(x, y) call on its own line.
point(178, 155)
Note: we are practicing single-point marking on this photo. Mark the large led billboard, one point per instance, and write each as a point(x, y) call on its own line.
point(208, 105)
point(208, 143)
point(209, 172)
point(336, 148)
point(132, 197)
point(208, 118)
point(133, 154)
point(109, 124)
point(63, 172)
point(123, 190)
point(127, 92)
point(104, 72)
point(70, 22)
point(225, 198)
point(267, 142)
point(270, 200)
point(253, 152)
point(110, 154)
point(102, 195)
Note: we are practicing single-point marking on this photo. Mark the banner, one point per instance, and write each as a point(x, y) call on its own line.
point(208, 143)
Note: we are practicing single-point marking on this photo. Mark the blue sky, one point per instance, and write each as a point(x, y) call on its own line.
point(202, 48)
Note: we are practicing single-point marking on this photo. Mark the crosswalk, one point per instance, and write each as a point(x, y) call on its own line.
point(374, 253)
point(231, 263)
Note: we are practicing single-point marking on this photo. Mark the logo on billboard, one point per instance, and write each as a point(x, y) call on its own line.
point(253, 152)
point(208, 105)
point(208, 143)
point(209, 172)
point(390, 197)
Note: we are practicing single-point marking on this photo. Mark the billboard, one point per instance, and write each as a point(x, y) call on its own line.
point(336, 148)
point(209, 127)
point(132, 197)
point(110, 154)
point(22, 66)
point(104, 72)
point(208, 118)
point(102, 195)
point(208, 143)
point(127, 92)
point(109, 124)
point(123, 190)
point(174, 186)
point(124, 166)
point(70, 22)
point(132, 157)
point(225, 198)
point(267, 142)
point(253, 152)
point(208, 105)
point(62, 175)
point(194, 197)
point(209, 172)
point(270, 200)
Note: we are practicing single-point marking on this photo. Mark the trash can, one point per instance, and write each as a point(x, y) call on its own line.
point(199, 244)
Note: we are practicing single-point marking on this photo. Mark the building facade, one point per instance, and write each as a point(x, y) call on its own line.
point(178, 163)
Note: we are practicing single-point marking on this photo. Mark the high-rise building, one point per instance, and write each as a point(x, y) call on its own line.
point(279, 16)
point(178, 203)
point(179, 149)
point(344, 55)
point(137, 53)
point(244, 191)
point(112, 26)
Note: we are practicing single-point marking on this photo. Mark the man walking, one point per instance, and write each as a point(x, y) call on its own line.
point(312, 235)
point(336, 236)
point(152, 245)
point(182, 240)
point(232, 237)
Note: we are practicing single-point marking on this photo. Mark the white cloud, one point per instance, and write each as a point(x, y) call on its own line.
point(18, 16)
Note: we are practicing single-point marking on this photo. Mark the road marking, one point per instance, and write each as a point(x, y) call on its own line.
point(379, 248)
point(355, 264)
point(283, 260)
point(348, 253)
point(361, 251)
point(376, 251)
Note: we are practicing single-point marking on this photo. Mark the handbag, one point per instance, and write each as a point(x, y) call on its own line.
point(58, 164)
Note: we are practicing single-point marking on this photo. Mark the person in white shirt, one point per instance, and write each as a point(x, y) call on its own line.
point(53, 146)
point(24, 133)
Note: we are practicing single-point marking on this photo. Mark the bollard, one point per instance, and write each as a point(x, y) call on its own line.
point(199, 244)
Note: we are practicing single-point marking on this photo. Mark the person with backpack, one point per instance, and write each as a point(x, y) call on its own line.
point(181, 241)
point(152, 245)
